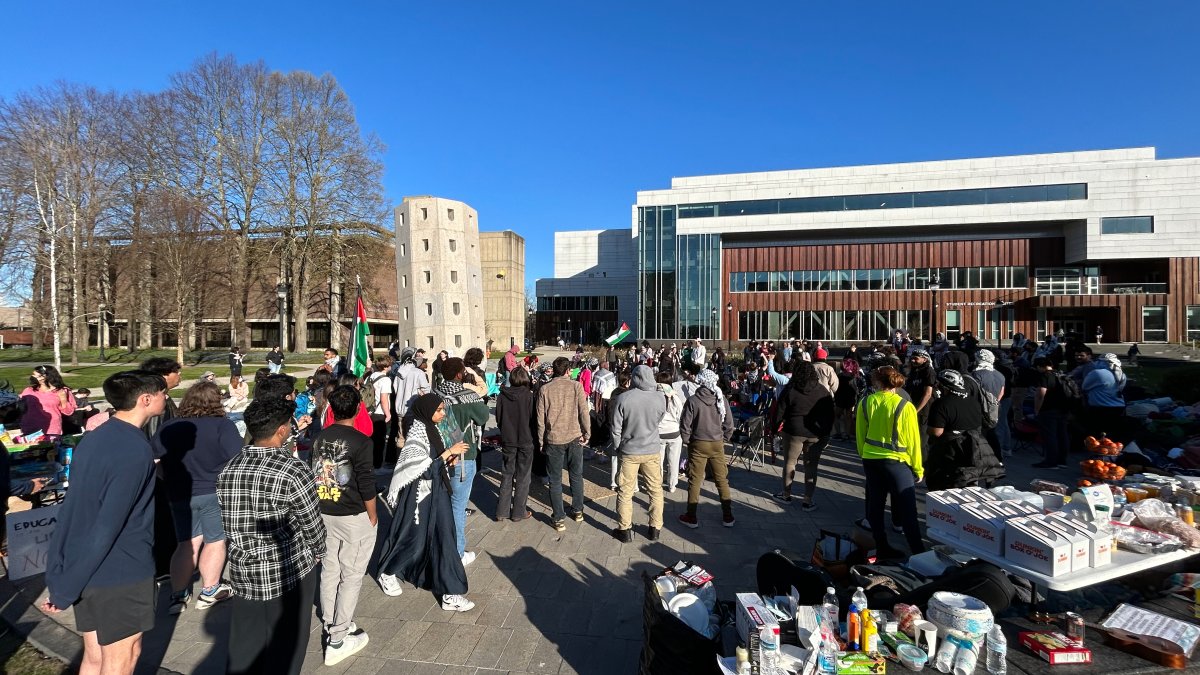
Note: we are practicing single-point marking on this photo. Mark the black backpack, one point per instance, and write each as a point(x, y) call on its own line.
point(1071, 391)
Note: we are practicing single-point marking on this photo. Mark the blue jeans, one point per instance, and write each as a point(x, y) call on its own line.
point(1052, 426)
point(570, 455)
point(275, 368)
point(460, 494)
point(1003, 431)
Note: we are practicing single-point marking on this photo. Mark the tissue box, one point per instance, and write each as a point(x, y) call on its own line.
point(752, 616)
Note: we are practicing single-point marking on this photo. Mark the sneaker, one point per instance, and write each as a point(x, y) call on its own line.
point(205, 600)
point(349, 646)
point(456, 603)
point(179, 602)
point(623, 536)
point(898, 529)
point(728, 520)
point(613, 487)
point(864, 524)
point(390, 585)
point(652, 534)
point(689, 520)
point(560, 526)
point(782, 497)
point(468, 558)
point(808, 506)
point(577, 516)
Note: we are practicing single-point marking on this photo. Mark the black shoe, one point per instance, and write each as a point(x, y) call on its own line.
point(623, 536)
point(652, 534)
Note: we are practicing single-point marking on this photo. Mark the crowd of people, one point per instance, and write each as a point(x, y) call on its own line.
point(271, 499)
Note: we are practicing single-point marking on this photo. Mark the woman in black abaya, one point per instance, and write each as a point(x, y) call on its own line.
point(421, 547)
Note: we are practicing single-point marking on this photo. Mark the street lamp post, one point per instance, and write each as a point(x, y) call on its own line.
point(532, 328)
point(713, 325)
point(570, 333)
point(281, 295)
point(934, 286)
point(996, 320)
point(101, 327)
point(729, 327)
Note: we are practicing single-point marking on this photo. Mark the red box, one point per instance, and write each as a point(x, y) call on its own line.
point(1057, 649)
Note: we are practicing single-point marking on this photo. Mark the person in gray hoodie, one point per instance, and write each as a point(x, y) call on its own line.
point(635, 438)
point(706, 423)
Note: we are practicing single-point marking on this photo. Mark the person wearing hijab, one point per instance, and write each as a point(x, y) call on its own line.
point(1103, 387)
point(705, 424)
point(421, 546)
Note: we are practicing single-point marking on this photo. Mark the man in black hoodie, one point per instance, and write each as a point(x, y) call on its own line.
point(706, 423)
point(514, 416)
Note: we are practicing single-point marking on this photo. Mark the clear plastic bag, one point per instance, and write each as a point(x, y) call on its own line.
point(1141, 540)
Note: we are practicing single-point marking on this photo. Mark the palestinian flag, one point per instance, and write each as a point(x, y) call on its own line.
point(618, 336)
point(359, 359)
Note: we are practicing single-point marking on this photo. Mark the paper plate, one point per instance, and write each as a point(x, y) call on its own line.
point(690, 610)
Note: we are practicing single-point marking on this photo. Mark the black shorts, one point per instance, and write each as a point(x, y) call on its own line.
point(117, 612)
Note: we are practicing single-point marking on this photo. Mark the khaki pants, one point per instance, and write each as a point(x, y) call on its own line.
point(349, 542)
point(627, 484)
point(710, 453)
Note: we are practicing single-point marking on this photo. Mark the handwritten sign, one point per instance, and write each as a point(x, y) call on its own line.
point(29, 541)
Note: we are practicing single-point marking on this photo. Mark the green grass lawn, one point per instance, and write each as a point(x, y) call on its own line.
point(92, 377)
point(213, 358)
point(18, 656)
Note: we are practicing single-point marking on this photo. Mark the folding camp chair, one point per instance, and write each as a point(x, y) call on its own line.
point(750, 445)
point(1025, 436)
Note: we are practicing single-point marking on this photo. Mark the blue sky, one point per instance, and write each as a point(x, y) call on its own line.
point(551, 115)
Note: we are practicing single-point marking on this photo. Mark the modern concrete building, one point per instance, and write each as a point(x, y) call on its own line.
point(439, 289)
point(996, 245)
point(594, 289)
point(502, 262)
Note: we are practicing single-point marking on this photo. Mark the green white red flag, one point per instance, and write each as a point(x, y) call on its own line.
point(360, 351)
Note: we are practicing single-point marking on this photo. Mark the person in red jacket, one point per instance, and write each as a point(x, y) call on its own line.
point(362, 420)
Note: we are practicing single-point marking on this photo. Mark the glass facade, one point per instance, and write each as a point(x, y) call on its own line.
point(830, 324)
point(1127, 225)
point(679, 281)
point(577, 303)
point(880, 279)
point(891, 200)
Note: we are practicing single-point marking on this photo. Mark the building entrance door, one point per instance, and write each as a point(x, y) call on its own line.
point(1069, 326)
point(953, 324)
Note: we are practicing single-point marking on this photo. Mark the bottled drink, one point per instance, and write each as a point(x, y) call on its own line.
point(870, 639)
point(769, 651)
point(829, 610)
point(854, 620)
point(997, 652)
point(827, 656)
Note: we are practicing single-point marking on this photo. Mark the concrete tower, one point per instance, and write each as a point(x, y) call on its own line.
point(438, 275)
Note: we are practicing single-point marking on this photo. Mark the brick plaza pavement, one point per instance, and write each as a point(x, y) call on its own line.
point(547, 602)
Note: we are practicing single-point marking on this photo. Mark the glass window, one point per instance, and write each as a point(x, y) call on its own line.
point(760, 282)
point(862, 280)
point(429, 309)
point(1020, 277)
point(772, 281)
point(961, 277)
point(453, 244)
point(988, 278)
point(456, 308)
point(457, 340)
point(875, 280)
point(964, 197)
point(425, 242)
point(1193, 322)
point(428, 276)
point(748, 208)
point(403, 281)
point(1127, 225)
point(823, 280)
point(1154, 323)
point(812, 205)
point(841, 280)
point(972, 278)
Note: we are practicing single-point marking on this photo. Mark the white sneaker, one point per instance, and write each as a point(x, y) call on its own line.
point(351, 645)
point(390, 585)
point(456, 603)
point(468, 558)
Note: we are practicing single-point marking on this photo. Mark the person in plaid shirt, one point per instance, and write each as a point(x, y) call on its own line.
point(276, 538)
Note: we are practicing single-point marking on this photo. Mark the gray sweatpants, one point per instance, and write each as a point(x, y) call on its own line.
point(349, 542)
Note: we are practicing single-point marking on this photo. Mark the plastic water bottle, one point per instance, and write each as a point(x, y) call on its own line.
point(997, 652)
point(829, 610)
point(827, 656)
point(769, 651)
point(854, 620)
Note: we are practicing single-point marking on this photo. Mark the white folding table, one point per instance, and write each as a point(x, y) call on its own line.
point(1123, 563)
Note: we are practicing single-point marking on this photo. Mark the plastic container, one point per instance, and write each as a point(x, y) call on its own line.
point(910, 657)
point(965, 658)
point(769, 650)
point(944, 659)
point(1134, 495)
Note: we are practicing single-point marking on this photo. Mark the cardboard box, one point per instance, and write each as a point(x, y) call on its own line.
point(1055, 648)
point(1099, 543)
point(860, 663)
point(1081, 545)
point(752, 616)
point(982, 525)
point(980, 495)
point(941, 512)
point(1016, 509)
point(1033, 545)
